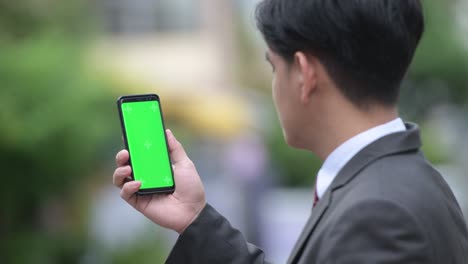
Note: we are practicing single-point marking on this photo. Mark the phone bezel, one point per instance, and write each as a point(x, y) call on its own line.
point(141, 98)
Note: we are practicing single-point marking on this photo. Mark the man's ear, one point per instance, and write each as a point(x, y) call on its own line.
point(307, 75)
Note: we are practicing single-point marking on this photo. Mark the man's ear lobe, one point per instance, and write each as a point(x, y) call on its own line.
point(307, 75)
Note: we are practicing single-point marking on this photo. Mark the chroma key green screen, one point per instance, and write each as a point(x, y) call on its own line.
point(147, 144)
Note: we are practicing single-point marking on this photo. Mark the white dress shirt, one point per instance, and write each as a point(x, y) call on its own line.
point(346, 151)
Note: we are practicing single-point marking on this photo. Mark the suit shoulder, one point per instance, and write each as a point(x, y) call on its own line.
point(407, 180)
point(408, 185)
point(404, 177)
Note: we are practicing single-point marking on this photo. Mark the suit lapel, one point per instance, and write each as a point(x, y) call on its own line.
point(388, 145)
point(312, 222)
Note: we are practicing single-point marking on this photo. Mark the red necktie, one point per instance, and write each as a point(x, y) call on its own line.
point(316, 198)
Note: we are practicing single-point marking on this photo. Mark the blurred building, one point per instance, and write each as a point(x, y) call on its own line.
point(172, 43)
point(181, 49)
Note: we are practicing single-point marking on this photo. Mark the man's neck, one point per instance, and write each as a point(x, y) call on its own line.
point(341, 124)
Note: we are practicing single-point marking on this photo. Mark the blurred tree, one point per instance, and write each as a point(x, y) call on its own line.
point(55, 122)
point(439, 72)
point(22, 19)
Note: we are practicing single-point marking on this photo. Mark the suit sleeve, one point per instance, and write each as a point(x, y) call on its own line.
point(375, 232)
point(211, 239)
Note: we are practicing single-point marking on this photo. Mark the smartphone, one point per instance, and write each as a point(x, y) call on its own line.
point(145, 139)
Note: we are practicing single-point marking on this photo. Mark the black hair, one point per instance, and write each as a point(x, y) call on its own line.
point(366, 46)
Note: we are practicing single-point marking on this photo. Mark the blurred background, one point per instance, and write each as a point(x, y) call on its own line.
point(64, 63)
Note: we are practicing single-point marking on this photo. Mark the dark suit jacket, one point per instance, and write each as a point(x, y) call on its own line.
point(387, 205)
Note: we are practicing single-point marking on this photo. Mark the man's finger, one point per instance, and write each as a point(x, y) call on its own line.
point(129, 189)
point(121, 175)
point(121, 159)
point(175, 148)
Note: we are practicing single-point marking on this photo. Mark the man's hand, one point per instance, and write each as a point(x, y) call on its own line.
point(174, 211)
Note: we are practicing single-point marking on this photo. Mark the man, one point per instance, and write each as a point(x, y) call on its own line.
point(337, 69)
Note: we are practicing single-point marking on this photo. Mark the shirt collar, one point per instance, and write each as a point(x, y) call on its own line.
point(346, 151)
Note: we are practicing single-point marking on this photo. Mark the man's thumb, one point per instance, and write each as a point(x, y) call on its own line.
point(176, 150)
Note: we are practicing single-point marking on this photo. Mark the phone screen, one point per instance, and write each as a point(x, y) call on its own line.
point(146, 142)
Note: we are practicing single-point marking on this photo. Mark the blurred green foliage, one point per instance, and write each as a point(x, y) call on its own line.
point(22, 19)
point(434, 150)
point(439, 72)
point(56, 121)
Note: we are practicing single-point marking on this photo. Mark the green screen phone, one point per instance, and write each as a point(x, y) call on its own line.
point(145, 139)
